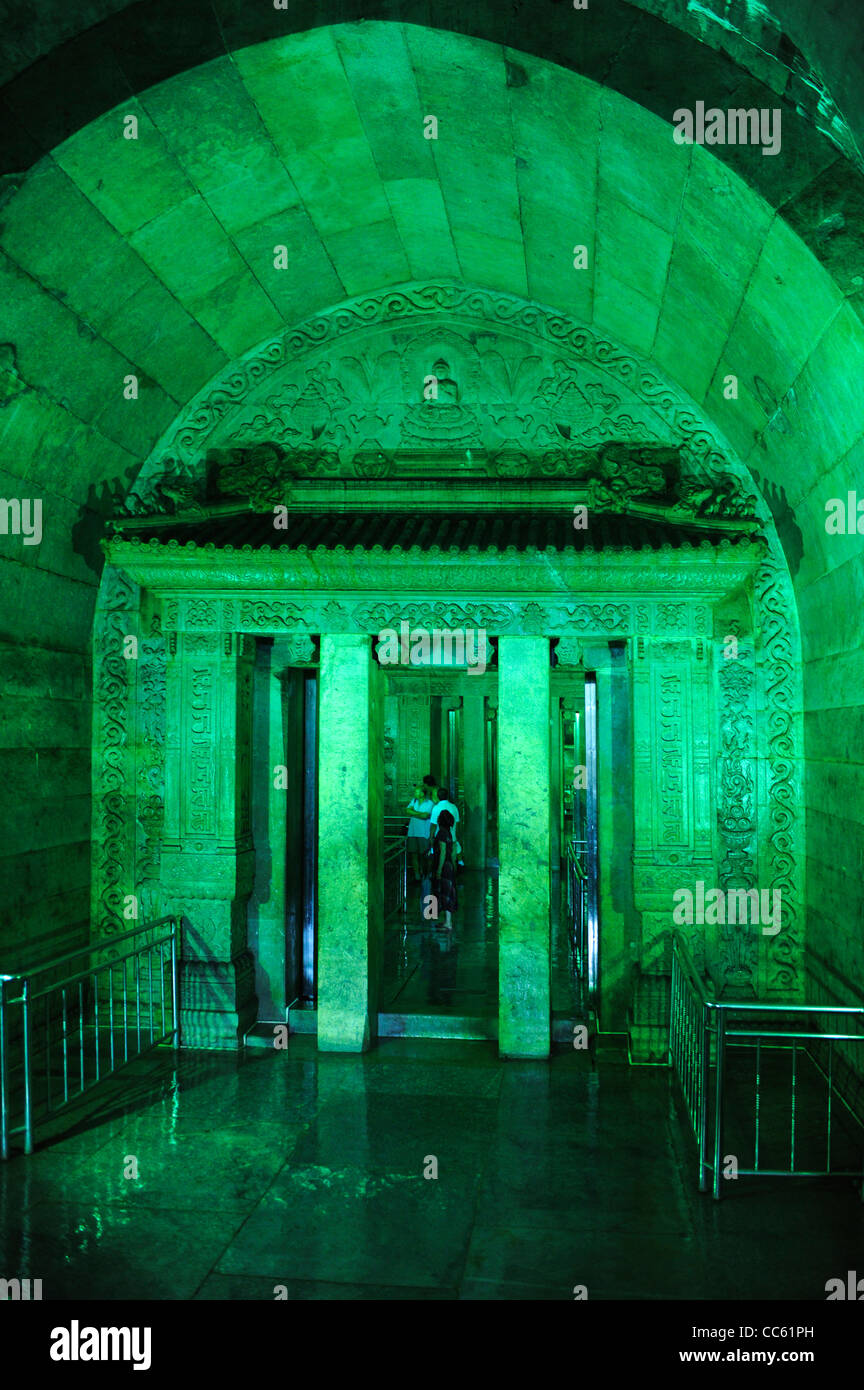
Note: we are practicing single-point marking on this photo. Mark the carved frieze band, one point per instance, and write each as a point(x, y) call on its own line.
point(616, 617)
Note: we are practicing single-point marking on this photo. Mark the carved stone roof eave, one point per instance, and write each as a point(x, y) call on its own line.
point(175, 567)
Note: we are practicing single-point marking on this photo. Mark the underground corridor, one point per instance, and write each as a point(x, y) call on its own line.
point(407, 404)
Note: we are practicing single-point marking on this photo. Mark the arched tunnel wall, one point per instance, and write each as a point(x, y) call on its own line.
point(154, 257)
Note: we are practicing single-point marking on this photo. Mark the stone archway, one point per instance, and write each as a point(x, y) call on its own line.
point(537, 391)
point(533, 400)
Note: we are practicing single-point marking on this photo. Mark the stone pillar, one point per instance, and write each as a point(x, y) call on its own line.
point(350, 828)
point(473, 836)
point(523, 838)
point(207, 865)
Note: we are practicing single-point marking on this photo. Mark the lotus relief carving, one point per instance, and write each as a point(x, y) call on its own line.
point(373, 391)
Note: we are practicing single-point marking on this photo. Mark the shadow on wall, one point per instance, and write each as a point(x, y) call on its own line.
point(791, 536)
point(102, 503)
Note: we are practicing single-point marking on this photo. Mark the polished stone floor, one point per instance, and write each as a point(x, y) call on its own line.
point(306, 1170)
point(427, 970)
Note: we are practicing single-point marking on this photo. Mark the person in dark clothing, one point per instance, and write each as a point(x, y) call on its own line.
point(444, 870)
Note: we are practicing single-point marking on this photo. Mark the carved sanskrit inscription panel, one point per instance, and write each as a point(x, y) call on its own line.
point(200, 806)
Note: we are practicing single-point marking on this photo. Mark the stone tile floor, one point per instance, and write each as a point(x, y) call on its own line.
point(427, 970)
point(306, 1170)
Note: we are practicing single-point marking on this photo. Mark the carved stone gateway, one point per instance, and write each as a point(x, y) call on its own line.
point(532, 415)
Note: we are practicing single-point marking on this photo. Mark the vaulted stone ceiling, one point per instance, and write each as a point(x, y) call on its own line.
point(809, 53)
point(155, 256)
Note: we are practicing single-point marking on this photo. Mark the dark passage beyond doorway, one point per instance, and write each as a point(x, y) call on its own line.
point(428, 970)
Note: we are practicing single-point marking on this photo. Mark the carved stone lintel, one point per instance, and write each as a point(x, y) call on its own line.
point(201, 613)
point(440, 614)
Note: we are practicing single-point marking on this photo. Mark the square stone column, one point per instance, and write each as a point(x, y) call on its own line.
point(207, 864)
point(350, 850)
point(524, 987)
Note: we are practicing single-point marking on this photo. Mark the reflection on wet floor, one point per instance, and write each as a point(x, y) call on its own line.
point(568, 990)
point(429, 970)
point(305, 1169)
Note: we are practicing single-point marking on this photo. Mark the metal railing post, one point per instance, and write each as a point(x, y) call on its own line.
point(150, 988)
point(81, 1033)
point(704, 1075)
point(176, 942)
point(828, 1117)
point(111, 1012)
point(4, 1078)
point(48, 1052)
point(96, 1018)
point(162, 990)
point(28, 1086)
point(72, 994)
point(65, 1049)
point(719, 1081)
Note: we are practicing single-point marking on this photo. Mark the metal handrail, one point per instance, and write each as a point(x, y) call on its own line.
point(577, 903)
point(98, 974)
point(84, 974)
point(399, 850)
point(104, 943)
point(698, 1020)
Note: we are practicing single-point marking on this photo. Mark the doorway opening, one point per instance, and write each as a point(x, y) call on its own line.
point(575, 934)
point(435, 981)
point(282, 908)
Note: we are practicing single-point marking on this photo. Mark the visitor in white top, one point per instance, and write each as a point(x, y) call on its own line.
point(443, 803)
point(421, 807)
